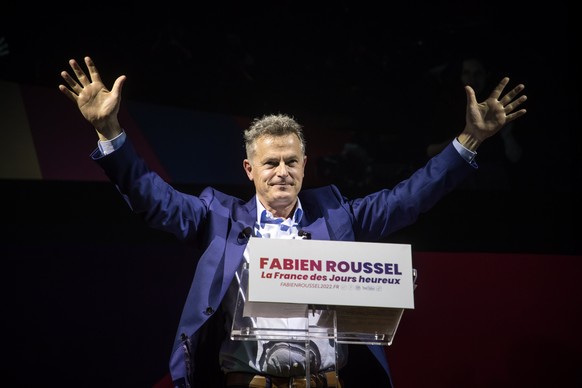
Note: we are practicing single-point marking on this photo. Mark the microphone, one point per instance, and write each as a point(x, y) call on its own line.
point(245, 234)
point(304, 234)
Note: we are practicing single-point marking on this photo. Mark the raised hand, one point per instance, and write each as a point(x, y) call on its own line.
point(97, 104)
point(485, 119)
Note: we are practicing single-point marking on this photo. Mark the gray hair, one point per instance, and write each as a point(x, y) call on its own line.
point(272, 125)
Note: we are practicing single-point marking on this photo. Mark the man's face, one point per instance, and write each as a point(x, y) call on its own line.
point(277, 168)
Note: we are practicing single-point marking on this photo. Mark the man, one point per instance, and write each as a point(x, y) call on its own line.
point(218, 223)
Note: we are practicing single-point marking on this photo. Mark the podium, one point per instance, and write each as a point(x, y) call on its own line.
point(305, 290)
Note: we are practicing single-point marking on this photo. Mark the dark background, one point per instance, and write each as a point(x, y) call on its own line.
point(367, 69)
point(92, 296)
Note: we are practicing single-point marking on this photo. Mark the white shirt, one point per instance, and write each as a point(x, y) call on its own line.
point(275, 357)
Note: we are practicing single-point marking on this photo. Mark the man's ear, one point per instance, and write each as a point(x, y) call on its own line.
point(248, 168)
point(304, 164)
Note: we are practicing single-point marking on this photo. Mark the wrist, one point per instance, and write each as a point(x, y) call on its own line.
point(469, 141)
point(109, 132)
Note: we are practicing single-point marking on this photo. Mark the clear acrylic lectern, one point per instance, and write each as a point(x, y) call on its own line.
point(264, 321)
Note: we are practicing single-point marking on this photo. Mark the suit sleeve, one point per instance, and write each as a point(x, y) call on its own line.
point(384, 212)
point(148, 195)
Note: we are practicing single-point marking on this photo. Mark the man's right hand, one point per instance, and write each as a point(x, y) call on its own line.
point(97, 104)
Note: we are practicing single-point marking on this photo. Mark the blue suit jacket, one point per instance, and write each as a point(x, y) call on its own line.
point(214, 222)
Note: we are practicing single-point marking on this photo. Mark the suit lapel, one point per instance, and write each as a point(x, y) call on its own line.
point(314, 223)
point(243, 217)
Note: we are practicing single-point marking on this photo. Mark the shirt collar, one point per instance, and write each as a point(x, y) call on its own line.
point(266, 217)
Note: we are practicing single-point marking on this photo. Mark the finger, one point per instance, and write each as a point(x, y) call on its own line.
point(499, 88)
point(511, 106)
point(509, 118)
point(471, 98)
point(511, 94)
point(118, 84)
point(92, 69)
point(68, 93)
point(72, 83)
point(81, 76)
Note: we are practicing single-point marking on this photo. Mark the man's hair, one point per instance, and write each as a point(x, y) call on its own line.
point(272, 125)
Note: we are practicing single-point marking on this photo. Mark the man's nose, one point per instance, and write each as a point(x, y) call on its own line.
point(282, 169)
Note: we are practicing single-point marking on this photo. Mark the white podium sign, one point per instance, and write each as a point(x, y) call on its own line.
point(343, 273)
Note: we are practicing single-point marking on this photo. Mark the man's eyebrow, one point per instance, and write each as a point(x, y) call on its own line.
point(277, 158)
